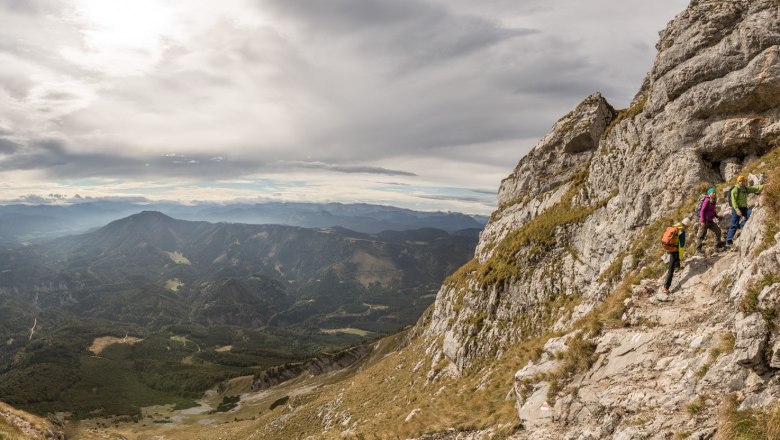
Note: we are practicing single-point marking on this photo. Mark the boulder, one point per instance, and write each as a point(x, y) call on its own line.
point(751, 340)
point(537, 411)
point(730, 168)
point(775, 361)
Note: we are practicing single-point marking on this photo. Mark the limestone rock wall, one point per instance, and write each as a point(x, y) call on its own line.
point(709, 104)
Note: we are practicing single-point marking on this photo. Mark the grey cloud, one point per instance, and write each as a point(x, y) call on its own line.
point(455, 198)
point(419, 32)
point(444, 40)
point(29, 6)
point(35, 199)
point(350, 169)
point(479, 100)
point(500, 7)
point(346, 16)
point(346, 82)
point(32, 199)
point(50, 95)
point(393, 183)
point(31, 40)
point(53, 157)
point(7, 147)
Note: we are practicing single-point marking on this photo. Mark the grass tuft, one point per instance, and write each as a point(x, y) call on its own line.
point(748, 425)
point(697, 406)
point(749, 303)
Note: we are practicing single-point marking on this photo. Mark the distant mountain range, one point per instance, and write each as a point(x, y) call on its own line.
point(20, 223)
point(272, 293)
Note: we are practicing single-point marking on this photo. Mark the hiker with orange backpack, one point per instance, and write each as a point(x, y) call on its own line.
point(673, 242)
point(739, 210)
point(707, 216)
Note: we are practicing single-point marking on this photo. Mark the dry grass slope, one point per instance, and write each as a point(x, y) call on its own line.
point(748, 425)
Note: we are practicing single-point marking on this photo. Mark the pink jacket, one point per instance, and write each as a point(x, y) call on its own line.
point(708, 211)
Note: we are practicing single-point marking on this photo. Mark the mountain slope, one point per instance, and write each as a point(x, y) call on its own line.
point(18, 425)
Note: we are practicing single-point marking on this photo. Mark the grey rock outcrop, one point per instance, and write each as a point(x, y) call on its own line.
point(323, 364)
point(775, 361)
point(552, 161)
point(752, 334)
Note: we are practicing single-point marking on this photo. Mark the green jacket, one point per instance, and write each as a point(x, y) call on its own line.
point(739, 195)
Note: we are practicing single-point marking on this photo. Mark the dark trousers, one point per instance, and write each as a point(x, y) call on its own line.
point(736, 223)
point(674, 262)
point(708, 226)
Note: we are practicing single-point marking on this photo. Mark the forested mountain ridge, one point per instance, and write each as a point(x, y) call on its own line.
point(271, 293)
point(23, 223)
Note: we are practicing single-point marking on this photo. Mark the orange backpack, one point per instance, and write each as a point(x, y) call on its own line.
point(671, 238)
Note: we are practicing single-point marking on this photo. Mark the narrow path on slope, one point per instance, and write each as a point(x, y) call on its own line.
point(654, 369)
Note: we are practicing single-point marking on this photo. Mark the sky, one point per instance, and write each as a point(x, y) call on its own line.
point(422, 104)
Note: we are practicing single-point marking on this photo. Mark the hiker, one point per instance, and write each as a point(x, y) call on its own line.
point(739, 210)
point(674, 243)
point(707, 216)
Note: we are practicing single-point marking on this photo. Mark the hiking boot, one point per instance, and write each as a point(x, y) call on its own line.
point(662, 296)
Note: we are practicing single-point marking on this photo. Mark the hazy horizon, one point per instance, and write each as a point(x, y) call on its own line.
point(424, 105)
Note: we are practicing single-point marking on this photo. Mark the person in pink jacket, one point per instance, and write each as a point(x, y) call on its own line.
point(707, 216)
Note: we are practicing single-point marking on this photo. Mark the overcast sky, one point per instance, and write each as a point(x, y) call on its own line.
point(425, 104)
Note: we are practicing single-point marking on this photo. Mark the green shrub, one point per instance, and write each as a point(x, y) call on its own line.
point(228, 403)
point(279, 402)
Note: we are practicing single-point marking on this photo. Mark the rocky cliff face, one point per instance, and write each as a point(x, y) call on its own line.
point(582, 212)
point(575, 204)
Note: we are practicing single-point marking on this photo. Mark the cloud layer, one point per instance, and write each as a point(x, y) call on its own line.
point(443, 97)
